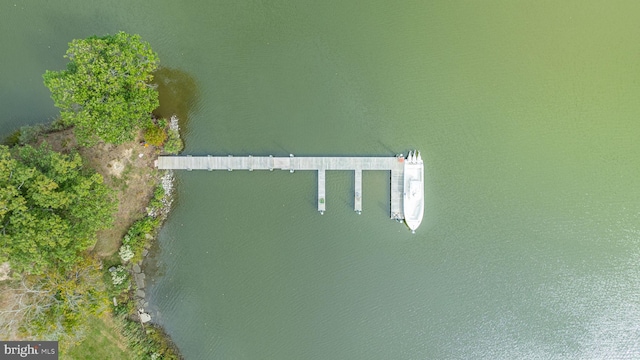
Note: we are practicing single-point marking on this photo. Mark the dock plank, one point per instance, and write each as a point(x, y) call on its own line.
point(321, 191)
point(357, 202)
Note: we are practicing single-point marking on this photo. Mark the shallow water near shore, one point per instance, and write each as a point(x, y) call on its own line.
point(527, 119)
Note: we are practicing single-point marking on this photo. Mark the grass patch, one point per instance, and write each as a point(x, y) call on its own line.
point(103, 341)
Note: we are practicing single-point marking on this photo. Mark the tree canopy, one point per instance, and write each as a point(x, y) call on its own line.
point(50, 208)
point(106, 91)
point(55, 305)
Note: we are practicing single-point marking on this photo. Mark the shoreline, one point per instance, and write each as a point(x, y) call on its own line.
point(138, 294)
point(139, 270)
point(144, 195)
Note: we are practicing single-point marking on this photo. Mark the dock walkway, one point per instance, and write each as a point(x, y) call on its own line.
point(292, 163)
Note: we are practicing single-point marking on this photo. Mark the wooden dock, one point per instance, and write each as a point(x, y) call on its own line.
point(393, 164)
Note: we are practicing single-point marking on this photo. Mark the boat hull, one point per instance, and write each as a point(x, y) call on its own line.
point(413, 191)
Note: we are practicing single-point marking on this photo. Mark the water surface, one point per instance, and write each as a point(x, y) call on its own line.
point(526, 115)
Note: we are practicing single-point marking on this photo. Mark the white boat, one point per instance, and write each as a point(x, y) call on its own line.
point(413, 190)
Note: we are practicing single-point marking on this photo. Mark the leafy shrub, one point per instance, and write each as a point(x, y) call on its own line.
point(155, 135)
point(29, 134)
point(156, 202)
point(13, 139)
point(58, 125)
point(119, 276)
point(148, 342)
point(174, 144)
point(125, 253)
point(136, 237)
point(162, 123)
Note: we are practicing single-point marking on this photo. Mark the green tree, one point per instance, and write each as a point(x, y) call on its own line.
point(50, 208)
point(106, 91)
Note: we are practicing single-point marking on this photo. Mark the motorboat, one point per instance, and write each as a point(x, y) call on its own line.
point(413, 190)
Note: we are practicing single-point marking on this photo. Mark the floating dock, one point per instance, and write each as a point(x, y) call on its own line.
point(393, 164)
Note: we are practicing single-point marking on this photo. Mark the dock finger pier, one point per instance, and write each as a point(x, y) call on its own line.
point(396, 165)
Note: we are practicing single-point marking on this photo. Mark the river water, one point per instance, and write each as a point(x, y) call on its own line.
point(526, 114)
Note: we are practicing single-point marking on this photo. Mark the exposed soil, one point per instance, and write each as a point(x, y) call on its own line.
point(128, 169)
point(5, 270)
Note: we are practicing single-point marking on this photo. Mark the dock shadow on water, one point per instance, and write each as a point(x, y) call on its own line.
point(178, 95)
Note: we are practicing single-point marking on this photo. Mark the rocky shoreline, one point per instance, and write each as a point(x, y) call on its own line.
point(138, 269)
point(131, 303)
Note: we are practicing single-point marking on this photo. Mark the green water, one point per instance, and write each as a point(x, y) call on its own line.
point(527, 117)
